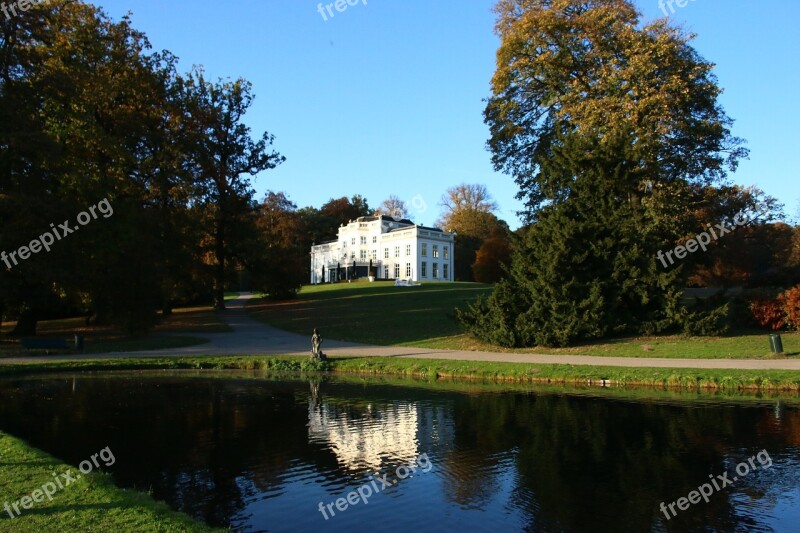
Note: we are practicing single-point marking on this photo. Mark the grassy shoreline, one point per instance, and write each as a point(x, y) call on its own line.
point(670, 378)
point(91, 503)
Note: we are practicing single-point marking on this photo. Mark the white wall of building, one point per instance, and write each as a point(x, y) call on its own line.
point(398, 250)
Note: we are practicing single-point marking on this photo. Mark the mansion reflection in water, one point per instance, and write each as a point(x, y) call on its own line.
point(369, 435)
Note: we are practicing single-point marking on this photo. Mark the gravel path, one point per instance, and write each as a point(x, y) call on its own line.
point(251, 337)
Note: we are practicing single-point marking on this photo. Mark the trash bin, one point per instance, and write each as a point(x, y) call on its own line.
point(775, 343)
point(79, 342)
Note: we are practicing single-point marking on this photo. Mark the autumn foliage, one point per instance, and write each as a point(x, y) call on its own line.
point(768, 313)
point(778, 313)
point(791, 306)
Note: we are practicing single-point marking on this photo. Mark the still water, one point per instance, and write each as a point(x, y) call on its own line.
point(265, 454)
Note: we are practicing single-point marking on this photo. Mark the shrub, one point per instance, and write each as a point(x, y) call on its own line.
point(791, 306)
point(741, 316)
point(708, 323)
point(768, 313)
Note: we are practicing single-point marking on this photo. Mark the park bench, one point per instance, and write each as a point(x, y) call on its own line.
point(45, 344)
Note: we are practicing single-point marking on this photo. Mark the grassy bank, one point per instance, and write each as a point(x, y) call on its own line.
point(686, 379)
point(372, 313)
point(382, 314)
point(91, 503)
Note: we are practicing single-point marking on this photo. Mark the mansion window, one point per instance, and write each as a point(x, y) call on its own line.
point(386, 254)
point(353, 254)
point(363, 255)
point(435, 251)
point(363, 240)
point(385, 271)
point(446, 254)
point(436, 270)
point(374, 255)
point(424, 252)
point(445, 271)
point(408, 250)
point(374, 239)
point(424, 272)
point(397, 251)
point(397, 270)
point(408, 270)
point(353, 241)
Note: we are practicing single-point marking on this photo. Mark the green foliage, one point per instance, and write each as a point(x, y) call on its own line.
point(598, 136)
point(88, 112)
point(494, 319)
point(585, 270)
point(702, 323)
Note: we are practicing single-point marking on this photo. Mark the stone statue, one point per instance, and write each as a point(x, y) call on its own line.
point(316, 346)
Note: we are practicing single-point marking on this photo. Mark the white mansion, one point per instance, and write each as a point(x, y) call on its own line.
point(392, 249)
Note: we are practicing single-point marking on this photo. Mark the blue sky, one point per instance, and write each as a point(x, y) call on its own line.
point(386, 97)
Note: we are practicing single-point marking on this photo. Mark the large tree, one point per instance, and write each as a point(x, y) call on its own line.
point(603, 123)
point(283, 254)
point(225, 156)
point(393, 207)
point(468, 209)
point(88, 113)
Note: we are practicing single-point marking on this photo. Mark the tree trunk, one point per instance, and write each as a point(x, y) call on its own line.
point(219, 276)
point(26, 324)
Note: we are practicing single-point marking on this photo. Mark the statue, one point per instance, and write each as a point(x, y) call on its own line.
point(316, 346)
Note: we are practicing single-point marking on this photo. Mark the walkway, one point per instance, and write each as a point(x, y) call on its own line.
point(251, 337)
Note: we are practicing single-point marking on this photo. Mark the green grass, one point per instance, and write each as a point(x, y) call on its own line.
point(171, 332)
point(92, 503)
point(677, 378)
point(373, 313)
point(747, 345)
point(381, 314)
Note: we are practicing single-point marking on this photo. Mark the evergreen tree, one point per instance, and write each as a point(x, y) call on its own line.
point(603, 125)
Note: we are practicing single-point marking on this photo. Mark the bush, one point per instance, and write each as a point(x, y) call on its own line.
point(791, 306)
point(493, 319)
point(711, 323)
point(768, 313)
point(741, 316)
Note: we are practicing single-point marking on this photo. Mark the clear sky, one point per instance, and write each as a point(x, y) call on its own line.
point(386, 97)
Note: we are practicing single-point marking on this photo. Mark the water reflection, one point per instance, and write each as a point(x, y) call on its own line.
point(260, 454)
point(363, 436)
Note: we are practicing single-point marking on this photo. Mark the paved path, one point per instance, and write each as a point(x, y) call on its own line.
point(251, 337)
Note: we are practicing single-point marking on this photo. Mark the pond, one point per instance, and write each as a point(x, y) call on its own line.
point(263, 453)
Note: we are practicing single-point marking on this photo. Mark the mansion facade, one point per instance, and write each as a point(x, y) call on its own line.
point(386, 248)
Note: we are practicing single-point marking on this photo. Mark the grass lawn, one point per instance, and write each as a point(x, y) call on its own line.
point(379, 313)
point(749, 345)
point(173, 331)
point(91, 503)
point(373, 313)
